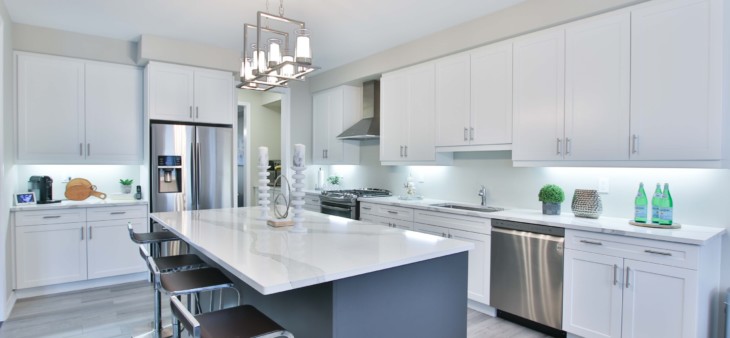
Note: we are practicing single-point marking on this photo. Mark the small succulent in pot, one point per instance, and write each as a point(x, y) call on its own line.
point(126, 185)
point(551, 196)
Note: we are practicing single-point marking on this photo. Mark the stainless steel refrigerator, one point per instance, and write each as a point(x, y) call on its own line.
point(191, 167)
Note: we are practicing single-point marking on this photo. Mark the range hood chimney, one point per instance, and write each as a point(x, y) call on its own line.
point(369, 127)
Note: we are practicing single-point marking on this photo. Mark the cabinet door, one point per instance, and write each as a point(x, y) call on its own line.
point(170, 92)
point(50, 99)
point(110, 251)
point(320, 127)
point(597, 89)
point(675, 80)
point(421, 132)
point(50, 254)
point(452, 100)
point(539, 87)
point(114, 110)
point(213, 97)
point(430, 229)
point(393, 103)
point(659, 301)
point(335, 147)
point(491, 95)
point(593, 287)
point(478, 263)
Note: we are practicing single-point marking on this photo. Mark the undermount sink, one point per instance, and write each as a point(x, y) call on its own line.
point(467, 207)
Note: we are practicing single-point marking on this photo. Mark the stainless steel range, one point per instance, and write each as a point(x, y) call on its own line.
point(344, 203)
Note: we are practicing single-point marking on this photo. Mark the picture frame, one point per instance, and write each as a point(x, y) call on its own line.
point(24, 198)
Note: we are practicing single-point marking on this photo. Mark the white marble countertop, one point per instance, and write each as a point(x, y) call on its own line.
point(91, 202)
point(273, 260)
point(688, 234)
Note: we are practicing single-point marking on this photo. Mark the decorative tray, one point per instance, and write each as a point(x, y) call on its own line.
point(656, 226)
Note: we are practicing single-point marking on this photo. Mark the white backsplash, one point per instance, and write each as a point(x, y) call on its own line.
point(104, 177)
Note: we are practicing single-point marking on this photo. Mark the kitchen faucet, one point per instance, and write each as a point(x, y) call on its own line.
point(483, 194)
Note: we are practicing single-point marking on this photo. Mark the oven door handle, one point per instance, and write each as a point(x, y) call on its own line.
point(324, 206)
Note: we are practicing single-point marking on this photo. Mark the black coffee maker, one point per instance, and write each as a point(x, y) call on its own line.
point(42, 186)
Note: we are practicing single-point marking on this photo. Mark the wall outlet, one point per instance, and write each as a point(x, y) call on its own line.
point(603, 185)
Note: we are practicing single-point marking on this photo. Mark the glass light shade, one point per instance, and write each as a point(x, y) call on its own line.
point(247, 70)
point(287, 70)
point(259, 64)
point(303, 53)
point(274, 52)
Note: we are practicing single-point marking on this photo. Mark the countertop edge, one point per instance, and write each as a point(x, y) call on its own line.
point(75, 205)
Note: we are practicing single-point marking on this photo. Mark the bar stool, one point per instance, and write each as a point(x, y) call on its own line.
point(188, 282)
point(243, 321)
point(154, 239)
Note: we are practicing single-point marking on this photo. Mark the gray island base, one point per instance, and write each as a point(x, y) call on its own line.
point(342, 278)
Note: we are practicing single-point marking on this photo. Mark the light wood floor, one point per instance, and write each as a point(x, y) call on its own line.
point(126, 310)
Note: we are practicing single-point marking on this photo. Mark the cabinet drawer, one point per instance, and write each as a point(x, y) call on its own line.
point(311, 200)
point(389, 222)
point(647, 250)
point(453, 221)
point(388, 211)
point(112, 213)
point(42, 217)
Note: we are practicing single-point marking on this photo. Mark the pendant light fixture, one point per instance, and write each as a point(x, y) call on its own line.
point(269, 65)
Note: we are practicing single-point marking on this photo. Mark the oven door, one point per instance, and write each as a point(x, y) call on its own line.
point(338, 210)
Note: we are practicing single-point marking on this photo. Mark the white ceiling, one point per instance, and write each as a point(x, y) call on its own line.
point(335, 25)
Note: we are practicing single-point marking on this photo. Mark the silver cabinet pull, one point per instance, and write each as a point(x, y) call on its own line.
point(627, 277)
point(88, 149)
point(82, 233)
point(367, 208)
point(118, 213)
point(191, 111)
point(658, 252)
point(197, 113)
point(567, 146)
point(401, 151)
point(392, 212)
point(443, 234)
point(615, 271)
point(56, 216)
point(559, 146)
point(81, 149)
point(406, 151)
point(471, 134)
point(90, 233)
point(590, 242)
point(465, 134)
point(450, 236)
point(634, 144)
point(326, 153)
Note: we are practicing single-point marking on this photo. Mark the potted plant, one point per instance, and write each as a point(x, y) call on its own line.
point(334, 181)
point(126, 185)
point(551, 196)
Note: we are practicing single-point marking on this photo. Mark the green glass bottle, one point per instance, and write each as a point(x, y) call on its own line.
point(640, 205)
point(655, 201)
point(666, 207)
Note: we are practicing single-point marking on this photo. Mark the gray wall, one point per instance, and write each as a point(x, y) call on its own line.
point(7, 160)
point(188, 53)
point(528, 16)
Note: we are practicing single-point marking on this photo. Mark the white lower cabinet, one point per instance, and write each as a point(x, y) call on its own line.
point(629, 287)
point(311, 202)
point(70, 245)
point(389, 222)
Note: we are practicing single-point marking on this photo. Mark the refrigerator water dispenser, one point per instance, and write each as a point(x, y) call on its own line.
point(169, 169)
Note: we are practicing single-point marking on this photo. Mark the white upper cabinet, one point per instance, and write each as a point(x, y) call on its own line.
point(407, 121)
point(676, 85)
point(189, 94)
point(539, 86)
point(333, 111)
point(77, 111)
point(474, 99)
point(597, 70)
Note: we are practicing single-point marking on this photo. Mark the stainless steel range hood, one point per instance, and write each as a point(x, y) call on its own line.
point(369, 127)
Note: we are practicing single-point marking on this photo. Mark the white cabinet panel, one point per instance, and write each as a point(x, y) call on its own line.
point(333, 111)
point(676, 109)
point(421, 142)
point(453, 109)
point(393, 116)
point(539, 87)
point(593, 288)
point(479, 271)
point(213, 97)
point(114, 106)
point(110, 251)
point(491, 95)
point(659, 301)
point(50, 103)
point(50, 254)
point(597, 68)
point(170, 92)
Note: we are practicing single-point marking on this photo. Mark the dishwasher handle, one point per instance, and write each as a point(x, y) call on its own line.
point(529, 234)
point(528, 227)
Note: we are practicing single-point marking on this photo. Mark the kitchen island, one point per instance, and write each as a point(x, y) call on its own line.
point(343, 278)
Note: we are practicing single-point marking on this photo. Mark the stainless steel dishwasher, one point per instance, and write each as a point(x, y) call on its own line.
point(527, 273)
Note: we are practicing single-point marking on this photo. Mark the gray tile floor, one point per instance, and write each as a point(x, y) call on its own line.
point(125, 310)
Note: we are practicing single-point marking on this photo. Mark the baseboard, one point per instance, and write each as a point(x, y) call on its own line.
point(9, 304)
point(480, 307)
point(80, 285)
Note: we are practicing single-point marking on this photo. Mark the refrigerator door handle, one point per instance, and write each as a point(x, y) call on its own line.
point(193, 173)
point(197, 176)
